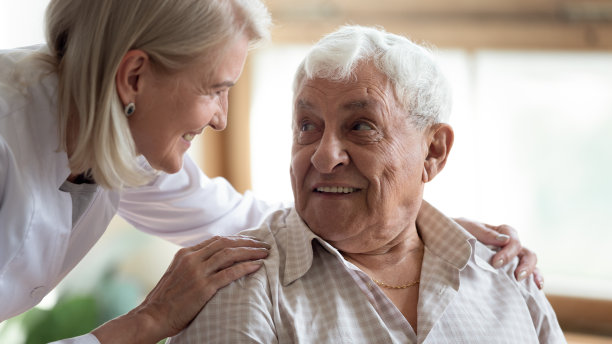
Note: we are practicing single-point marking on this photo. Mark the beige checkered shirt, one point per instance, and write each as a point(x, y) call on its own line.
point(307, 293)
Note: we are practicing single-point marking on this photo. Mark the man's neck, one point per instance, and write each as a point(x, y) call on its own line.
point(403, 255)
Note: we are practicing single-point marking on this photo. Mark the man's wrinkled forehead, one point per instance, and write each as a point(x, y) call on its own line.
point(349, 105)
point(364, 92)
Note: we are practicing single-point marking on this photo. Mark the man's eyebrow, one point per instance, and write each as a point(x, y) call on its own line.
point(356, 104)
point(304, 104)
point(224, 84)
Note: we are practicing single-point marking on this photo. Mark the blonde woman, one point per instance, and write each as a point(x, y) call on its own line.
point(96, 123)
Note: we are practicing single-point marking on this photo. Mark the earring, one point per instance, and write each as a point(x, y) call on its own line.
point(129, 109)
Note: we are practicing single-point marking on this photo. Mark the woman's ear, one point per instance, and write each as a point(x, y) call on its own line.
point(440, 137)
point(128, 77)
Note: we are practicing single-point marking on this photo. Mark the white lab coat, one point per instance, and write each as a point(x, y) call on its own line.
point(38, 244)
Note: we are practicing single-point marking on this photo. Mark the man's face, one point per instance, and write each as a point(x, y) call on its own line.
point(357, 161)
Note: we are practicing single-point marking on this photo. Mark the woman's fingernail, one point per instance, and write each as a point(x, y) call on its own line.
point(502, 237)
point(498, 264)
point(264, 244)
point(521, 275)
point(254, 265)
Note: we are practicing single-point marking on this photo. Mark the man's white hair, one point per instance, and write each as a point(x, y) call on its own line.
point(418, 82)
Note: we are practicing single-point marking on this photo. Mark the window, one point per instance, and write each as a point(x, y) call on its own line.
point(21, 23)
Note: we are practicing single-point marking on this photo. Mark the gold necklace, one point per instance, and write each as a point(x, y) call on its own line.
point(405, 286)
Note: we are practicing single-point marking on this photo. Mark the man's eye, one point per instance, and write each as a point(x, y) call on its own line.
point(307, 127)
point(361, 126)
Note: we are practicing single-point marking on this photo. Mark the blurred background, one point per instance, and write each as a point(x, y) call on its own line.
point(532, 83)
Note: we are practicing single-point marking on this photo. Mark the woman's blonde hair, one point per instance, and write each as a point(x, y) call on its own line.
point(87, 41)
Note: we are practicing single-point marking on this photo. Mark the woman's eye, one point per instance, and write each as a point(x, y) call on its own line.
point(217, 92)
point(361, 126)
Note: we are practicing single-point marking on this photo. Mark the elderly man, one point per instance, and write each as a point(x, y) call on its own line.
point(362, 258)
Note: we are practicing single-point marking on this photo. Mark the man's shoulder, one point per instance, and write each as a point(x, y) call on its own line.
point(273, 231)
point(272, 227)
point(290, 241)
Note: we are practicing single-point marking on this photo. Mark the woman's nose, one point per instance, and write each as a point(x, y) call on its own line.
point(330, 153)
point(219, 119)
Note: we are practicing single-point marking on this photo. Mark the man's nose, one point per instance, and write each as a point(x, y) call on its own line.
point(330, 153)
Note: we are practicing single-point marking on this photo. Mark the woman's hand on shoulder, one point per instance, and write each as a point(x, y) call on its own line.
point(193, 278)
point(507, 239)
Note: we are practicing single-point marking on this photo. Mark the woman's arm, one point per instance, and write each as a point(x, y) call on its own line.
point(188, 207)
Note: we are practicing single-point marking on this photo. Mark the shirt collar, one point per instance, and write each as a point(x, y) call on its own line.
point(440, 232)
point(437, 231)
point(300, 240)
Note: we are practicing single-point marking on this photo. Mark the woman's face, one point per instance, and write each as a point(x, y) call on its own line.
point(357, 162)
point(172, 108)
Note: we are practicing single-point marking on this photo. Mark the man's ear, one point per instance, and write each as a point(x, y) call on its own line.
point(440, 138)
point(128, 77)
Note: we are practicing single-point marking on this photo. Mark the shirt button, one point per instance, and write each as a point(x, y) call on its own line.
point(441, 291)
point(39, 292)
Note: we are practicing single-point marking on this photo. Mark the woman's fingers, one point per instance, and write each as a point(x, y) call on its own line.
point(485, 234)
point(527, 264)
point(217, 242)
point(195, 275)
point(538, 278)
point(527, 258)
point(226, 276)
point(226, 257)
point(507, 239)
point(509, 249)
